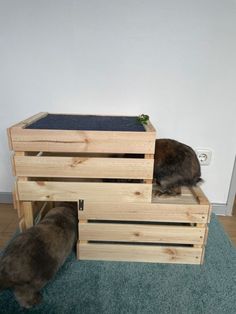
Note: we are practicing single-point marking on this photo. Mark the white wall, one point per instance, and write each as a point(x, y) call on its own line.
point(174, 60)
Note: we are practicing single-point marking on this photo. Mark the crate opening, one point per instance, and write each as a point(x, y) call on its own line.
point(142, 243)
point(84, 155)
point(149, 223)
point(41, 208)
point(89, 180)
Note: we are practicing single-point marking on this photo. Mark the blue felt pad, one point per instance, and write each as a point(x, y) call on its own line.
point(87, 122)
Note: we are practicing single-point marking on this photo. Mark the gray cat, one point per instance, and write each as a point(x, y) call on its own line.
point(34, 256)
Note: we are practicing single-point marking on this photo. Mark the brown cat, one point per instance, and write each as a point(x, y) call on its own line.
point(34, 256)
point(175, 165)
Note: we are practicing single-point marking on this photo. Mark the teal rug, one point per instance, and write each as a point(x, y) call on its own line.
point(139, 288)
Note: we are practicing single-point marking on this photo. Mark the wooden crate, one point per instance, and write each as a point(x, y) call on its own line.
point(166, 230)
point(118, 220)
point(68, 165)
point(24, 139)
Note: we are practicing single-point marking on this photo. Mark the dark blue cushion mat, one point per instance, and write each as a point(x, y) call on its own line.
point(87, 122)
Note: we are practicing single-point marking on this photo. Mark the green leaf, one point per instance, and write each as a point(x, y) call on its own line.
point(143, 119)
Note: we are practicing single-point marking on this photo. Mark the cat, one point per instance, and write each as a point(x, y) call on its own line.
point(34, 256)
point(175, 165)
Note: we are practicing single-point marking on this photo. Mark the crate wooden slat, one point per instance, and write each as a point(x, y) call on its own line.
point(73, 191)
point(140, 253)
point(185, 208)
point(82, 141)
point(141, 233)
point(186, 213)
point(83, 167)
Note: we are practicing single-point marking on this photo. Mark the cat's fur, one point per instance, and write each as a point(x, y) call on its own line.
point(175, 165)
point(34, 256)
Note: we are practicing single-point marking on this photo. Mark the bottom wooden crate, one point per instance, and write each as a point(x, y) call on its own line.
point(140, 253)
point(181, 243)
point(167, 230)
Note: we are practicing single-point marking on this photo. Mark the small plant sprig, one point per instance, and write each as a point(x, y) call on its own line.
point(143, 119)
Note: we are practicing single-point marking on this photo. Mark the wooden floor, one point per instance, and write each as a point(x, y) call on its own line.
point(229, 223)
point(8, 223)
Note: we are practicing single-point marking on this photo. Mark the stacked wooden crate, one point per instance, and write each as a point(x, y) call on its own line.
point(109, 174)
point(172, 230)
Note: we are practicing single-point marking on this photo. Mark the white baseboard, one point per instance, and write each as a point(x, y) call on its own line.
point(220, 209)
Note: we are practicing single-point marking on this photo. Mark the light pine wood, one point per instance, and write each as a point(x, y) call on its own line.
point(30, 120)
point(206, 234)
point(22, 225)
point(149, 127)
point(82, 141)
point(13, 167)
point(209, 213)
point(186, 197)
point(14, 198)
point(24, 209)
point(150, 157)
point(9, 139)
point(200, 225)
point(17, 203)
point(73, 191)
point(140, 253)
point(141, 233)
point(202, 255)
point(200, 196)
point(137, 211)
point(27, 208)
point(21, 125)
point(81, 241)
point(83, 167)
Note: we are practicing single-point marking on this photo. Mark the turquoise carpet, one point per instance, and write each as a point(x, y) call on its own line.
point(140, 288)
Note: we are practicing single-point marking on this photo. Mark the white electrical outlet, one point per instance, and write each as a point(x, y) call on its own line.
point(204, 156)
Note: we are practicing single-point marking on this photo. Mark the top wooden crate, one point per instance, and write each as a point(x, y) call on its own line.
point(24, 136)
point(61, 156)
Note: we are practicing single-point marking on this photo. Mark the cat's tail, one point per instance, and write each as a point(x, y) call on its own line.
point(192, 182)
point(198, 180)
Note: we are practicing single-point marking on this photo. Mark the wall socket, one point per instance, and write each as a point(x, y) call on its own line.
point(204, 156)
